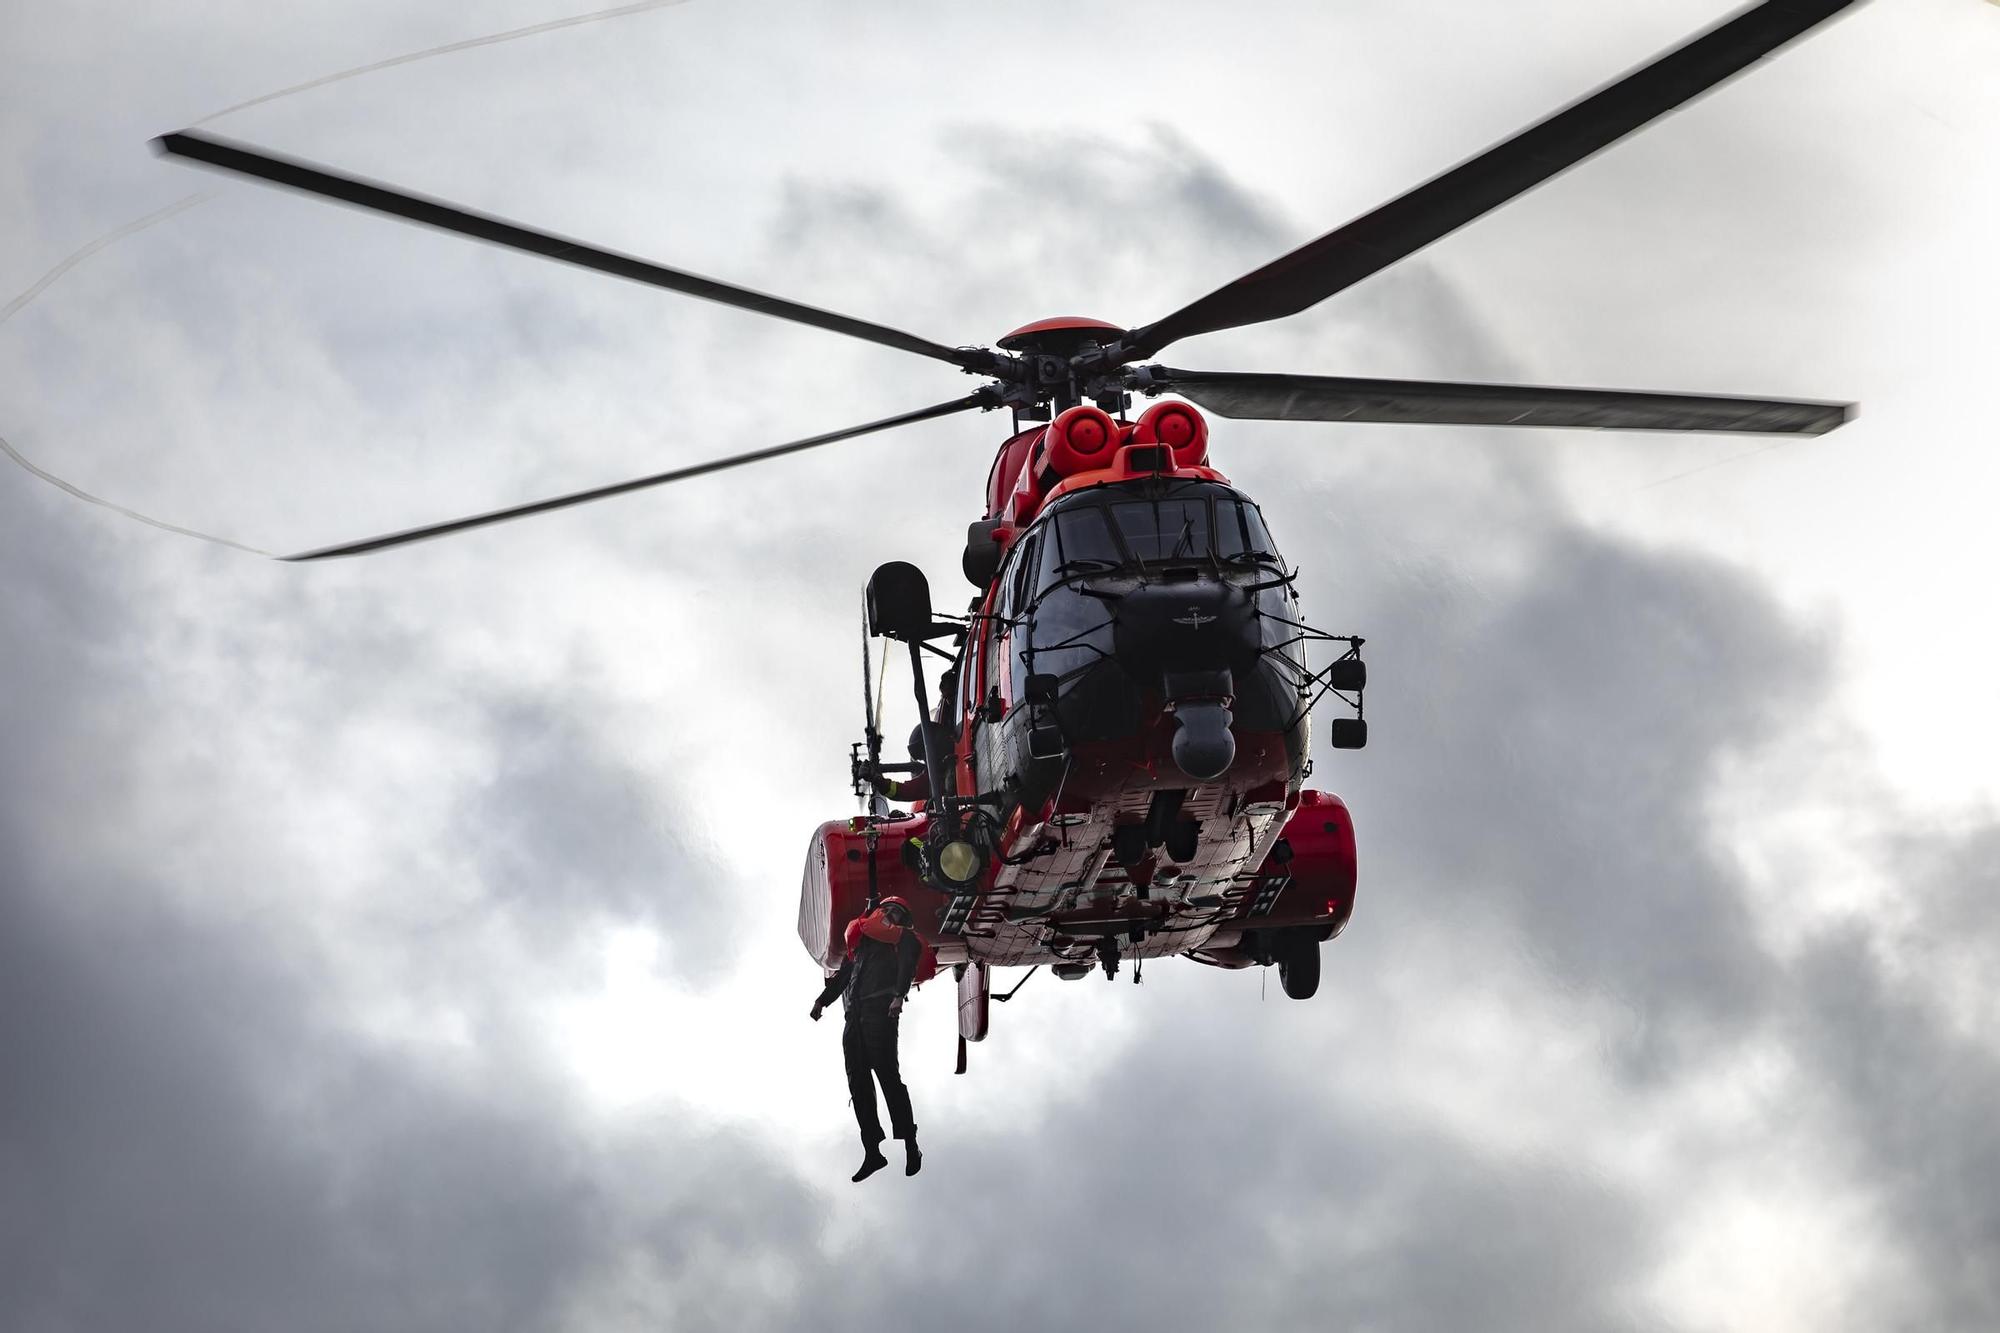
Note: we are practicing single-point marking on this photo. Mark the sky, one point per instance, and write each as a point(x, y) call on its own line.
point(408, 943)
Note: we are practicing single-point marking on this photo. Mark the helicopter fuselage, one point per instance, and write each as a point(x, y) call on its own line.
point(1129, 714)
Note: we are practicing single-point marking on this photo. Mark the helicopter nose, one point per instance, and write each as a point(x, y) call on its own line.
point(1194, 637)
point(1186, 625)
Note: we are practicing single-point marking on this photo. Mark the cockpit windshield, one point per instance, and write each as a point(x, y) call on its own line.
point(1081, 541)
point(1102, 531)
point(1163, 531)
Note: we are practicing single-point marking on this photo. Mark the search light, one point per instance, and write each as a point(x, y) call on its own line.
point(959, 863)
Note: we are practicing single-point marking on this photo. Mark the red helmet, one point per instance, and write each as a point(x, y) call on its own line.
point(893, 901)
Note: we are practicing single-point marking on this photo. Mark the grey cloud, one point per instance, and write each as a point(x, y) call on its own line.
point(1913, 1104)
point(568, 833)
point(1213, 1185)
point(1890, 1014)
point(1146, 190)
point(1050, 224)
point(148, 1184)
point(1220, 210)
point(194, 1135)
point(1954, 877)
point(1554, 749)
point(190, 1141)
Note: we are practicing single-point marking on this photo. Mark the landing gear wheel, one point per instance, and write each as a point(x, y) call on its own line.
point(1298, 969)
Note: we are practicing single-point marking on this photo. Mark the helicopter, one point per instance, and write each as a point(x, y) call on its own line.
point(1114, 766)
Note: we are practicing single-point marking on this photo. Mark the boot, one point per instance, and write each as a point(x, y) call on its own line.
point(913, 1156)
point(870, 1164)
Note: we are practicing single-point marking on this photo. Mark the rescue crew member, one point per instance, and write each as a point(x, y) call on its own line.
point(883, 955)
point(917, 788)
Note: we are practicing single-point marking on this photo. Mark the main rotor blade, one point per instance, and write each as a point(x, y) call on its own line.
point(317, 180)
point(1405, 225)
point(1338, 398)
point(981, 398)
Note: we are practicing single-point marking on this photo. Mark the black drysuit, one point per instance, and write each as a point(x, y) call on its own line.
point(875, 975)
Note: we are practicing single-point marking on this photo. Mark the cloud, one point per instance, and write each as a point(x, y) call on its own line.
point(1909, 1100)
point(192, 1141)
point(1567, 737)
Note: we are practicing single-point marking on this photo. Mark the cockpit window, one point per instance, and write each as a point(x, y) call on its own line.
point(1109, 531)
point(1240, 533)
point(1163, 531)
point(1260, 536)
point(1080, 542)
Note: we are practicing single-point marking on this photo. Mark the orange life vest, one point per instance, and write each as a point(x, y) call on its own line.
point(876, 926)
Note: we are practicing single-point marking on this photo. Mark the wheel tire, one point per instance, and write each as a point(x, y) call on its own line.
point(1298, 969)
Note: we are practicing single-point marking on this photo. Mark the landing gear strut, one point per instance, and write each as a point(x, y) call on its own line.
point(1107, 955)
point(1129, 845)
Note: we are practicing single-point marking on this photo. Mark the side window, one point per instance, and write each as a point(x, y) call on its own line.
point(1230, 540)
point(1048, 571)
point(1021, 575)
point(948, 691)
point(1260, 536)
point(982, 658)
point(1240, 534)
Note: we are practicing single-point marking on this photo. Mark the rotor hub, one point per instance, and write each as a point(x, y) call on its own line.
point(1064, 336)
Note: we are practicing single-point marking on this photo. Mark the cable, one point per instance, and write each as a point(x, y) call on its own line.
point(117, 234)
point(14, 306)
point(1733, 458)
point(113, 236)
point(102, 503)
point(881, 679)
point(467, 44)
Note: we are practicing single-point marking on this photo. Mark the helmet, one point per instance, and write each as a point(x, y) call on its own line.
point(898, 905)
point(917, 743)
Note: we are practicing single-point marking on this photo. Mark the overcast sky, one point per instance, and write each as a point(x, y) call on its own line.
point(407, 943)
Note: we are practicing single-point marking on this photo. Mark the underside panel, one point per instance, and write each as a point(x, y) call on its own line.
point(1257, 868)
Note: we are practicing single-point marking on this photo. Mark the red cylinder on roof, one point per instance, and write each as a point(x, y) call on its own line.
point(1179, 427)
point(1081, 439)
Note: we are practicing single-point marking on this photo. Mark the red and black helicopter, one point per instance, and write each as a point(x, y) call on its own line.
point(1114, 767)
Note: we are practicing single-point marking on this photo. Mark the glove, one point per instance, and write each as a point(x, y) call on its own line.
point(896, 1005)
point(816, 1013)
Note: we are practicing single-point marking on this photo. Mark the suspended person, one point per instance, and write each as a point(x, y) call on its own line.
point(885, 956)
